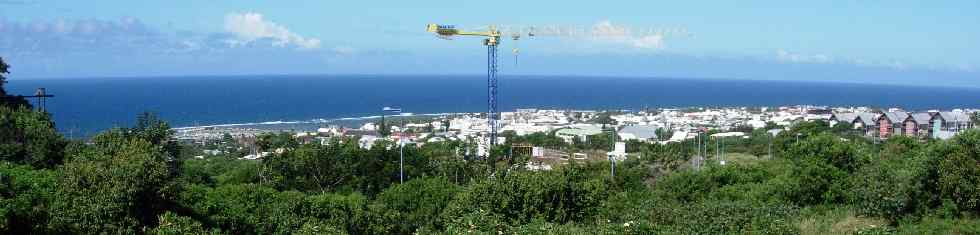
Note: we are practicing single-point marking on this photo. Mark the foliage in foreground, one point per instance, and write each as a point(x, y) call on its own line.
point(135, 180)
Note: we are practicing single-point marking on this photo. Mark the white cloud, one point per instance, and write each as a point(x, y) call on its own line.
point(650, 42)
point(785, 56)
point(606, 31)
point(252, 26)
point(792, 57)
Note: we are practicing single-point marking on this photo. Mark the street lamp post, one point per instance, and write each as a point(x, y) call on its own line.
point(721, 151)
point(612, 150)
point(401, 161)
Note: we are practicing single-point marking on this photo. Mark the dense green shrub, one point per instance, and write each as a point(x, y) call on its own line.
point(353, 213)
point(941, 226)
point(959, 171)
point(559, 196)
point(134, 180)
point(416, 201)
point(891, 188)
point(727, 182)
point(724, 217)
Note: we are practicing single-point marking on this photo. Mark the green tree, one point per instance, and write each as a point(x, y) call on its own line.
point(4, 69)
point(664, 134)
point(173, 224)
point(383, 128)
point(156, 131)
point(276, 141)
point(959, 171)
point(771, 125)
point(238, 209)
point(219, 170)
point(5, 99)
point(312, 167)
point(448, 161)
point(29, 137)
point(668, 156)
point(975, 118)
point(602, 141)
point(25, 196)
point(113, 186)
point(604, 118)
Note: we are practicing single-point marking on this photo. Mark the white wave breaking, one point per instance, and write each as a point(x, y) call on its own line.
point(313, 121)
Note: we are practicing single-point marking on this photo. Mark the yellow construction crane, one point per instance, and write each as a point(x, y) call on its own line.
point(449, 31)
point(491, 38)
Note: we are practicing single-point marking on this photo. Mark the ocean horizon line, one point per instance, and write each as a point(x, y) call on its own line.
point(501, 76)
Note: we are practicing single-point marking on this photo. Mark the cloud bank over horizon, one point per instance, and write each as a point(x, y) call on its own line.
point(250, 42)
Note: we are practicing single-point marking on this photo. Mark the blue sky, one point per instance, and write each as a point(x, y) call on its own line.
point(907, 42)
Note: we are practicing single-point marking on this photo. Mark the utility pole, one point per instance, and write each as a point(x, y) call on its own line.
point(770, 145)
point(612, 149)
point(401, 164)
point(697, 150)
point(723, 149)
point(702, 150)
point(717, 147)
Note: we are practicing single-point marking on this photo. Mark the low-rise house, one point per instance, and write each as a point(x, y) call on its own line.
point(357, 132)
point(842, 118)
point(580, 132)
point(916, 125)
point(367, 141)
point(866, 122)
point(951, 121)
point(890, 123)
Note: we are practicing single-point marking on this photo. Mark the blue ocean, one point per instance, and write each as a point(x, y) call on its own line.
point(84, 106)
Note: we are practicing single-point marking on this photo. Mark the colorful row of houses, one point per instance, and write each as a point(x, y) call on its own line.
point(883, 125)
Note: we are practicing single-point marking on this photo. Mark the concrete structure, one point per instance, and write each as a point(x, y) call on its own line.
point(618, 153)
point(641, 133)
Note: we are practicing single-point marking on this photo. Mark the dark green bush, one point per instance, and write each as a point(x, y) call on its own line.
point(416, 201)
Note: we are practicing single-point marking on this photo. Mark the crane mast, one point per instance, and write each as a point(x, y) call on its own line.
point(491, 40)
